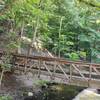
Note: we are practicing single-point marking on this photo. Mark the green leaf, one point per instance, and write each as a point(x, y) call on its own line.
point(83, 38)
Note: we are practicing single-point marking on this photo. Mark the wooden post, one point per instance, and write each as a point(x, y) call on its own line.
point(54, 70)
point(13, 60)
point(70, 72)
point(25, 64)
point(90, 74)
point(39, 70)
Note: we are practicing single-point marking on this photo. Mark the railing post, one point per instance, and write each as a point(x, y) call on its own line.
point(39, 70)
point(54, 70)
point(25, 64)
point(70, 73)
point(13, 60)
point(90, 74)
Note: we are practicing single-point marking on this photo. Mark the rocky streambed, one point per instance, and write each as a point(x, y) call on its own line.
point(25, 87)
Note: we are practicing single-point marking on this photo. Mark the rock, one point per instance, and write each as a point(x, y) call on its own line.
point(38, 95)
point(30, 94)
point(88, 94)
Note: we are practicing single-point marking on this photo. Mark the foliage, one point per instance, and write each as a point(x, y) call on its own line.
point(78, 31)
point(41, 83)
point(6, 98)
point(74, 56)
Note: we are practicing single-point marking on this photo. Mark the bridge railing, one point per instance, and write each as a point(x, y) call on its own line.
point(69, 71)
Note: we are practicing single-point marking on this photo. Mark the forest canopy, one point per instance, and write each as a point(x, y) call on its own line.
point(67, 28)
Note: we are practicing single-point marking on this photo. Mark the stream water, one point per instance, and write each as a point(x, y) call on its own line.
point(21, 88)
point(56, 92)
point(62, 92)
point(65, 92)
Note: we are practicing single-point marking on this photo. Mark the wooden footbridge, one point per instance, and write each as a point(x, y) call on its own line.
point(59, 70)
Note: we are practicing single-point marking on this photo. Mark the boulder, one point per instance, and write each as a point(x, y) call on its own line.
point(88, 94)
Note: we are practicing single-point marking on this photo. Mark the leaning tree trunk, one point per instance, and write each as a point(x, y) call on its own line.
point(1, 77)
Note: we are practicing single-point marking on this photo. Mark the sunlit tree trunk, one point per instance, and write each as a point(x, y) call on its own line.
point(34, 36)
point(36, 29)
point(61, 20)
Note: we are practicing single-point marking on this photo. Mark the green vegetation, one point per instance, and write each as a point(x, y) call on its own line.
point(5, 66)
point(5, 98)
point(67, 28)
point(41, 83)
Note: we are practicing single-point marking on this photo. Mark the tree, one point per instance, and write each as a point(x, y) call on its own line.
point(59, 24)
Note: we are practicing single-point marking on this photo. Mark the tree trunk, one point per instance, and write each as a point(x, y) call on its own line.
point(1, 77)
point(61, 20)
point(19, 40)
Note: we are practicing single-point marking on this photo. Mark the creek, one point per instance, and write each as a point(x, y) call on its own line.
point(56, 92)
point(19, 87)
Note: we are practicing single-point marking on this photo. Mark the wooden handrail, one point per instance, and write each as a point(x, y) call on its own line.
point(60, 60)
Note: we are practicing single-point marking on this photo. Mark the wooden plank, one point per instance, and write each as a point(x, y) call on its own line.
point(47, 68)
point(96, 70)
point(71, 72)
point(78, 81)
point(79, 72)
point(64, 72)
point(60, 60)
